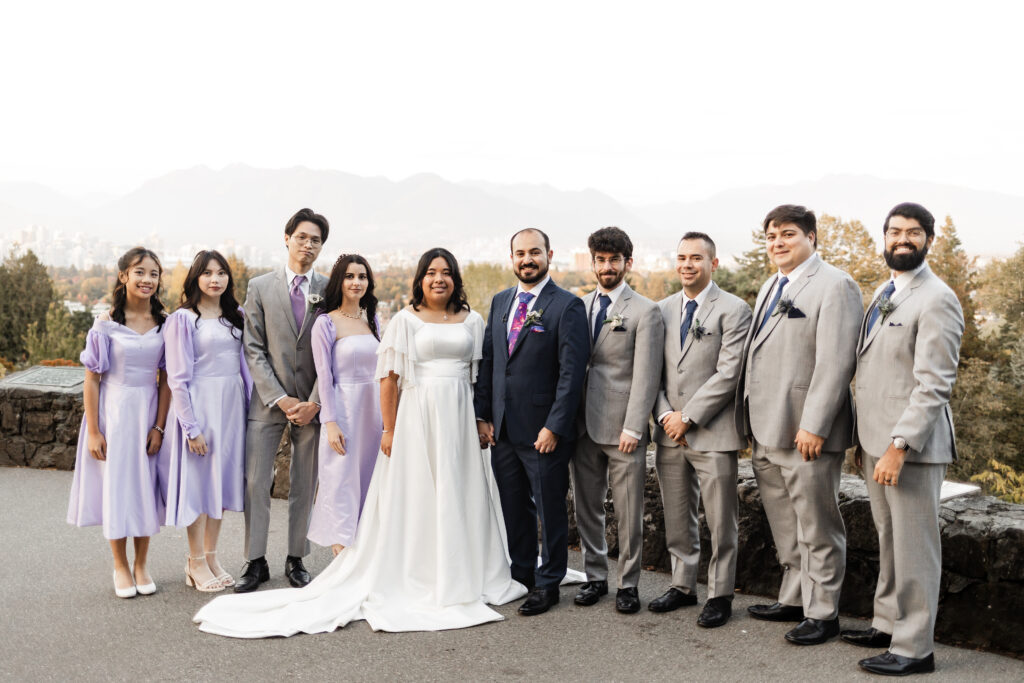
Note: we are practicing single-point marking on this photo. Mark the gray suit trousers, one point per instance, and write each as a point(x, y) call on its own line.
point(686, 475)
point(592, 466)
point(801, 502)
point(909, 555)
point(262, 439)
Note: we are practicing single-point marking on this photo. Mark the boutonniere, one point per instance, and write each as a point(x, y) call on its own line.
point(314, 299)
point(698, 331)
point(785, 307)
point(533, 317)
point(885, 307)
point(616, 321)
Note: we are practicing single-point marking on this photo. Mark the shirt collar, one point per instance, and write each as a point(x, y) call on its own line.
point(615, 293)
point(700, 298)
point(799, 270)
point(290, 276)
point(537, 289)
point(904, 279)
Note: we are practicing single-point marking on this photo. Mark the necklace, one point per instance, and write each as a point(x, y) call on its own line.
point(354, 317)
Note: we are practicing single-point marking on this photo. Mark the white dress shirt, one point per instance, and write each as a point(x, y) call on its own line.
point(683, 300)
point(289, 277)
point(595, 306)
point(529, 307)
point(903, 280)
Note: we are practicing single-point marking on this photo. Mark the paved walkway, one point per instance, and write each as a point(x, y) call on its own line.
point(60, 621)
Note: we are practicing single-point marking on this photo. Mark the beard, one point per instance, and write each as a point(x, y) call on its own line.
point(542, 270)
point(906, 262)
point(616, 279)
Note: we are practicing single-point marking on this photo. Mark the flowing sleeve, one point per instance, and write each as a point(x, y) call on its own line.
point(243, 366)
point(323, 335)
point(96, 355)
point(181, 358)
point(476, 327)
point(397, 351)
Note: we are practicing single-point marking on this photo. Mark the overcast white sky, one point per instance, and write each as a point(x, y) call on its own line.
point(647, 101)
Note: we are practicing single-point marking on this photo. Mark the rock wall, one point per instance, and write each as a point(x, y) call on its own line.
point(39, 428)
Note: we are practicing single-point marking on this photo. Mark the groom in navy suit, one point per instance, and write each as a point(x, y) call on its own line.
point(528, 390)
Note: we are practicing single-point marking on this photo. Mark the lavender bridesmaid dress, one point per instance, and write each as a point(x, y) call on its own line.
point(210, 386)
point(122, 493)
point(349, 396)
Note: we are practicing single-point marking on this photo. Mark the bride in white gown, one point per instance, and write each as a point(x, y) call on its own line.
point(429, 552)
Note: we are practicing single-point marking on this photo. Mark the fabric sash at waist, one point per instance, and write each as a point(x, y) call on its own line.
point(455, 369)
point(347, 381)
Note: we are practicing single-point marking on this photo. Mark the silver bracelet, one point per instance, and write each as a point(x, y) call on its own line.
point(159, 429)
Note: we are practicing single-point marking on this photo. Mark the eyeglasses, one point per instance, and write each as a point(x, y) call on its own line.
point(615, 260)
point(304, 239)
point(910, 233)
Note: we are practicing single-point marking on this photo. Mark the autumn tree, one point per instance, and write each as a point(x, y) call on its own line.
point(26, 292)
point(848, 246)
point(482, 281)
point(950, 262)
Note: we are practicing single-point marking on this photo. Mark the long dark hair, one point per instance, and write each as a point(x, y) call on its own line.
point(133, 257)
point(458, 301)
point(334, 293)
point(191, 294)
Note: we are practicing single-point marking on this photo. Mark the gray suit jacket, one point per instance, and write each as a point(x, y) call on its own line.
point(280, 357)
point(906, 368)
point(797, 370)
point(622, 375)
point(700, 378)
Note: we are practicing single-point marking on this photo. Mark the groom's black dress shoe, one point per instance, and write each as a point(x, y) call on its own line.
point(672, 599)
point(627, 601)
point(888, 664)
point(296, 573)
point(777, 612)
point(870, 637)
point(539, 601)
point(813, 631)
point(590, 593)
point(716, 612)
point(255, 572)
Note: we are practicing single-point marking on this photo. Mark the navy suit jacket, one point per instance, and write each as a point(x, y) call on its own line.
point(540, 383)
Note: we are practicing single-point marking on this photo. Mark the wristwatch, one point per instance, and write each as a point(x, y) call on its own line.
point(684, 418)
point(900, 444)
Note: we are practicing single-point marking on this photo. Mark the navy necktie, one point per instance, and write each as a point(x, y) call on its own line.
point(599, 320)
point(691, 308)
point(783, 281)
point(886, 294)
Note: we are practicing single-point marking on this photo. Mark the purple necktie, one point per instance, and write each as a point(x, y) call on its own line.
point(298, 301)
point(518, 319)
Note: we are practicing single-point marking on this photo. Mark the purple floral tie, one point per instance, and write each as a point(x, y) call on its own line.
point(518, 319)
point(298, 301)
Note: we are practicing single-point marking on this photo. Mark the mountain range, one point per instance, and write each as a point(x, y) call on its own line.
point(374, 214)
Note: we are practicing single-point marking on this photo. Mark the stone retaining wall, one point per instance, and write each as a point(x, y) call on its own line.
point(982, 598)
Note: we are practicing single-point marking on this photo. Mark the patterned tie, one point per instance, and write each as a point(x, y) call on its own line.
point(691, 308)
point(783, 281)
point(886, 294)
point(518, 319)
point(599, 320)
point(298, 301)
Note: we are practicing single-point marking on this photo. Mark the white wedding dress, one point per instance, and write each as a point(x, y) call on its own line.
point(430, 551)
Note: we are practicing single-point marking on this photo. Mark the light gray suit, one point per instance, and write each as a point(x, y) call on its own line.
point(906, 367)
point(619, 391)
point(796, 375)
point(280, 359)
point(699, 380)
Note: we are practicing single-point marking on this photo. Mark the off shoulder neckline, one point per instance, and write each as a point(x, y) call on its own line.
point(118, 326)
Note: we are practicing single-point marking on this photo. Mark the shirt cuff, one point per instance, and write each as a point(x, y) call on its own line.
point(276, 400)
point(664, 415)
point(630, 432)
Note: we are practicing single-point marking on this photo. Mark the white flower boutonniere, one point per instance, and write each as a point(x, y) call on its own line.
point(533, 317)
point(314, 299)
point(615, 321)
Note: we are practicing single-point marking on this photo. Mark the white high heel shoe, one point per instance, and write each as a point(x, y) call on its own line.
point(144, 588)
point(211, 586)
point(224, 578)
point(128, 592)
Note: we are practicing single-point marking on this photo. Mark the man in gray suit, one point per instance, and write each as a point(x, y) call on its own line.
point(794, 400)
point(705, 330)
point(907, 357)
point(618, 394)
point(278, 318)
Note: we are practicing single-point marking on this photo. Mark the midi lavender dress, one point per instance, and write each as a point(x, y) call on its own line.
point(350, 397)
point(123, 493)
point(210, 389)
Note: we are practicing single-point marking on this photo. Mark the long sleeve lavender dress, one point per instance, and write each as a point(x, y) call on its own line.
point(350, 397)
point(123, 493)
point(210, 387)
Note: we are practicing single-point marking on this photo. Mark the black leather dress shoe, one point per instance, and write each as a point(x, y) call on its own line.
point(671, 600)
point(296, 572)
point(813, 631)
point(777, 612)
point(255, 572)
point(590, 593)
point(716, 612)
point(888, 664)
point(869, 637)
point(627, 601)
point(539, 601)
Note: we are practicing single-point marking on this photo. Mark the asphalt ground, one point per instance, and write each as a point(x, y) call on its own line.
point(61, 622)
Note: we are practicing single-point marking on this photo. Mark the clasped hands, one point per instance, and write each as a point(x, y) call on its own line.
point(546, 441)
point(299, 413)
point(675, 428)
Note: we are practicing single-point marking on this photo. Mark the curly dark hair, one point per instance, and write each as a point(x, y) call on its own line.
point(190, 294)
point(611, 241)
point(458, 300)
point(133, 257)
point(334, 293)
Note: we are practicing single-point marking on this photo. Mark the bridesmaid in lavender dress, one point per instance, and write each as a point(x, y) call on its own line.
point(116, 483)
point(345, 339)
point(210, 385)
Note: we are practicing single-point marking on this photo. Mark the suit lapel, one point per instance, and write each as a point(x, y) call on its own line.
point(865, 337)
point(541, 305)
point(709, 305)
point(282, 292)
point(897, 301)
point(621, 305)
point(790, 293)
point(506, 305)
point(588, 303)
point(317, 283)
